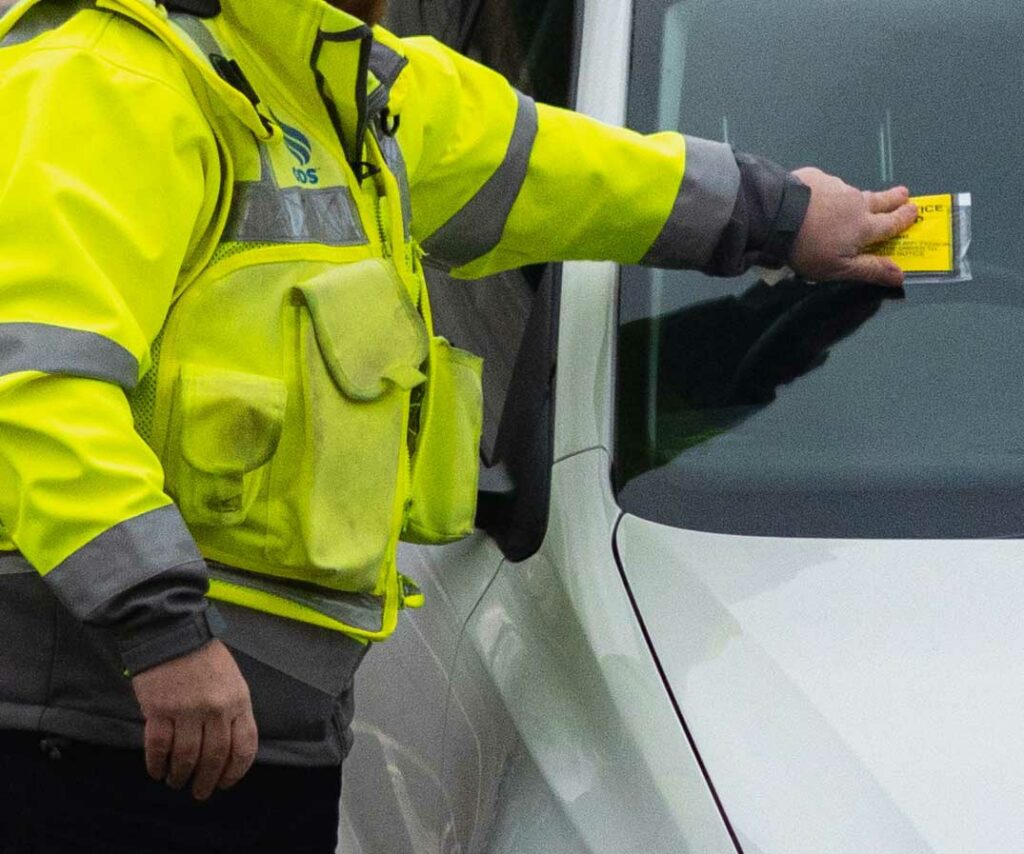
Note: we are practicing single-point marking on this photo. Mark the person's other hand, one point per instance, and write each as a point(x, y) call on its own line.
point(841, 222)
point(198, 720)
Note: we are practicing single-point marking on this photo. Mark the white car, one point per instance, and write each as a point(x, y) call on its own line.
point(759, 586)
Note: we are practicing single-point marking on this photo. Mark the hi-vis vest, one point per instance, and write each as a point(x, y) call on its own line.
point(284, 389)
point(219, 220)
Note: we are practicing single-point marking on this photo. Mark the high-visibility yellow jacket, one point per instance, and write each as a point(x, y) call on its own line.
point(214, 331)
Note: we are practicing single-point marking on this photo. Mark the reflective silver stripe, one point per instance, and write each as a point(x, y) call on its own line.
point(263, 212)
point(702, 209)
point(356, 610)
point(43, 17)
point(197, 32)
point(69, 352)
point(392, 152)
point(386, 64)
point(477, 228)
point(122, 557)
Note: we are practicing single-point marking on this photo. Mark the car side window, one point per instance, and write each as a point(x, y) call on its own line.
point(532, 43)
point(529, 41)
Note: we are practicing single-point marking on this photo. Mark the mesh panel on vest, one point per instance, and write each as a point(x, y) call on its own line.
point(143, 397)
point(235, 247)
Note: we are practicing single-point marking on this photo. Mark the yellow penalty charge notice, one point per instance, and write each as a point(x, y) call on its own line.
point(929, 245)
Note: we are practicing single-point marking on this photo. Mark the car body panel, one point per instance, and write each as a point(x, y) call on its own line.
point(583, 413)
point(573, 716)
point(872, 685)
point(558, 732)
point(394, 797)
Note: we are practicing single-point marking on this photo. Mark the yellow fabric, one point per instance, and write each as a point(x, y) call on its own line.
point(102, 206)
point(610, 185)
point(455, 133)
point(316, 499)
point(444, 475)
point(230, 424)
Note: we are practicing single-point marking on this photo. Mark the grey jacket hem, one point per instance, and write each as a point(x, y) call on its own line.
point(62, 677)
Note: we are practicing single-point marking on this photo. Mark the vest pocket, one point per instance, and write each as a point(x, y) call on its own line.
point(447, 458)
point(353, 347)
point(230, 424)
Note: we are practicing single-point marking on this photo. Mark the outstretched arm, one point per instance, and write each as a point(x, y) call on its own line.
point(498, 181)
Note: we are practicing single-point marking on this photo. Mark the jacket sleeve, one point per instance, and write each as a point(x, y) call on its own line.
point(498, 181)
point(101, 202)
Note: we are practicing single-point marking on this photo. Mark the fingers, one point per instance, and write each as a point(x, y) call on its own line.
point(191, 705)
point(213, 755)
point(159, 738)
point(216, 750)
point(244, 742)
point(188, 742)
point(886, 201)
point(879, 271)
point(883, 226)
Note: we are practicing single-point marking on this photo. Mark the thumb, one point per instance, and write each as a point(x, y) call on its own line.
point(875, 269)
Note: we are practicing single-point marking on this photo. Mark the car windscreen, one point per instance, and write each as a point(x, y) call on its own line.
point(838, 409)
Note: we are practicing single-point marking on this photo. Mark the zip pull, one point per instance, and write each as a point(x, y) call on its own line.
point(409, 593)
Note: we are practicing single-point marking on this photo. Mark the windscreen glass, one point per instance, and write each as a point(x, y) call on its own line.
point(837, 409)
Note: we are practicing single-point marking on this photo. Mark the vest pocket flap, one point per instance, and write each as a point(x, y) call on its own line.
point(368, 331)
point(231, 421)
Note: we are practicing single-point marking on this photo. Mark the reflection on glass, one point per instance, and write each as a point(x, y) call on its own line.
point(718, 361)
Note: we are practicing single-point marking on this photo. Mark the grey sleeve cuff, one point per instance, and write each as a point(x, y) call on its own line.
point(733, 211)
point(145, 581)
point(148, 647)
point(770, 208)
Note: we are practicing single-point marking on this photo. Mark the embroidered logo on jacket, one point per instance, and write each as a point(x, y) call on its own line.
point(302, 150)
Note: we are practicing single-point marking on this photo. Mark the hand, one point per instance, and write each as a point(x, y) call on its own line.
point(841, 221)
point(198, 719)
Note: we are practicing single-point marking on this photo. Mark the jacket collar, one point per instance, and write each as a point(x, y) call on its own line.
point(312, 50)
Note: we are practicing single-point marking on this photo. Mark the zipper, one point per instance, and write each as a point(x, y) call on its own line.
point(385, 243)
point(350, 155)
